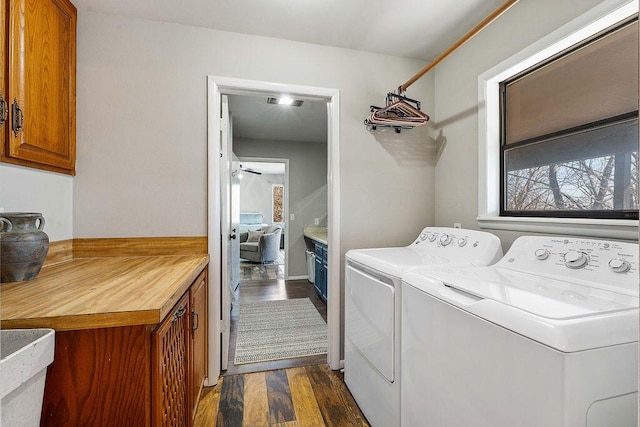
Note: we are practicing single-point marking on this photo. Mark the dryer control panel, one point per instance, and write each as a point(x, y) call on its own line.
point(608, 262)
point(455, 243)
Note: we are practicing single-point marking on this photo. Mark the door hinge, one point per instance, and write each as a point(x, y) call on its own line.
point(223, 329)
point(223, 123)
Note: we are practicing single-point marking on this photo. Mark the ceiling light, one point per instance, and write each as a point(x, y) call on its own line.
point(285, 100)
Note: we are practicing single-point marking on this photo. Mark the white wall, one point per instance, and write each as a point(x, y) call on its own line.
point(142, 128)
point(256, 193)
point(32, 190)
point(456, 90)
point(307, 187)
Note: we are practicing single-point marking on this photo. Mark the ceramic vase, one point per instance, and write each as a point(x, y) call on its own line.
point(23, 246)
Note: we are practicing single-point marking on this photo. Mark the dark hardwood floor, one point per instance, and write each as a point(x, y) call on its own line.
point(302, 396)
point(293, 392)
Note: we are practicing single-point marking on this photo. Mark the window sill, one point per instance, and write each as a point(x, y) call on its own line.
point(603, 228)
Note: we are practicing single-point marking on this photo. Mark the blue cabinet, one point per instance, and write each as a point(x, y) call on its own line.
point(321, 270)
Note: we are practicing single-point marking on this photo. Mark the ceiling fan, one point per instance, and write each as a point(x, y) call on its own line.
point(249, 170)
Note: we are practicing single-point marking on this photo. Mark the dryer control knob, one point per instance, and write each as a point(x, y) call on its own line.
point(445, 239)
point(462, 241)
point(423, 236)
point(575, 259)
point(432, 237)
point(619, 265)
point(541, 254)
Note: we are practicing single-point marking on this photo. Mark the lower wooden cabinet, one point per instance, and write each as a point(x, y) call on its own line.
point(143, 375)
point(170, 371)
point(199, 354)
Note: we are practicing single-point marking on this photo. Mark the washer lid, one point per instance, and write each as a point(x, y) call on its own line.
point(395, 261)
point(569, 316)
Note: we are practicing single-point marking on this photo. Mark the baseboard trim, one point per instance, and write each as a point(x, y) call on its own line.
point(298, 278)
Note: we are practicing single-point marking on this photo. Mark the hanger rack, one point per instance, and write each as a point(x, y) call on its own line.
point(399, 112)
point(386, 116)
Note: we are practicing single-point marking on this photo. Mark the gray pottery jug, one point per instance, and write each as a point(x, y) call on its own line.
point(23, 246)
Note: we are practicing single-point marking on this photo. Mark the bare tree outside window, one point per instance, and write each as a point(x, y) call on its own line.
point(578, 185)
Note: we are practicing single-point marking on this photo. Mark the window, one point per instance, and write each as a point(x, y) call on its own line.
point(569, 132)
point(277, 199)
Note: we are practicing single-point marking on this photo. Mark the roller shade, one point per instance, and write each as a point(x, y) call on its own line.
point(594, 82)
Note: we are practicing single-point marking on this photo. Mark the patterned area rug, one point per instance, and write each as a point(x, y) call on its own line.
point(280, 329)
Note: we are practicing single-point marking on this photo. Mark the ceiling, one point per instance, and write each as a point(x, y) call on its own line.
point(264, 167)
point(253, 118)
point(410, 28)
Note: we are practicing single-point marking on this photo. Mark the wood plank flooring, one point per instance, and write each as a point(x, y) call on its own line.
point(286, 393)
point(301, 396)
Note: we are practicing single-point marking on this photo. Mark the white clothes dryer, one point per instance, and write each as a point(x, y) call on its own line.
point(548, 336)
point(372, 310)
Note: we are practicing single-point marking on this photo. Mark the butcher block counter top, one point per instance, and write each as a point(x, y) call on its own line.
point(88, 293)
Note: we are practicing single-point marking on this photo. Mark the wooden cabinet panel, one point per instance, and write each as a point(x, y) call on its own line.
point(99, 377)
point(41, 75)
point(199, 338)
point(4, 88)
point(170, 362)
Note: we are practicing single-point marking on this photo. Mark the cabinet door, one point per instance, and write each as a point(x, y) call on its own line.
point(170, 368)
point(198, 338)
point(42, 66)
point(4, 90)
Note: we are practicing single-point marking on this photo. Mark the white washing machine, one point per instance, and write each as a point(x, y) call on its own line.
point(546, 337)
point(372, 310)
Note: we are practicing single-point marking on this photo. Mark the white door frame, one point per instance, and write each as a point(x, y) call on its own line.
point(216, 86)
point(286, 202)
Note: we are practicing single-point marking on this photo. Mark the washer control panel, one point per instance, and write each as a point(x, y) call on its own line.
point(608, 262)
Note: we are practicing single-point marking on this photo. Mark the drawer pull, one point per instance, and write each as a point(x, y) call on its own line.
point(195, 321)
point(4, 110)
point(18, 118)
point(178, 314)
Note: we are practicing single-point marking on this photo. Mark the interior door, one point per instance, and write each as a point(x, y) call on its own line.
point(226, 281)
point(235, 216)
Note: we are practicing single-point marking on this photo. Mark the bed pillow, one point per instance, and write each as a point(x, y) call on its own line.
point(254, 236)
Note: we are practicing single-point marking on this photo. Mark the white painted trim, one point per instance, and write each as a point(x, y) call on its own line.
point(595, 20)
point(227, 85)
point(286, 199)
point(602, 228)
point(297, 278)
point(213, 228)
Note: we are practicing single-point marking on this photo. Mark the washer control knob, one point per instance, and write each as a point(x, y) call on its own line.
point(423, 236)
point(541, 254)
point(445, 239)
point(462, 241)
point(618, 265)
point(575, 259)
point(432, 237)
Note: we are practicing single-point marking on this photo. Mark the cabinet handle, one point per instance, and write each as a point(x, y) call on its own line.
point(178, 314)
point(195, 321)
point(4, 110)
point(18, 118)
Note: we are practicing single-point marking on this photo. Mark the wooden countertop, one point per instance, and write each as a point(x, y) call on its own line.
point(89, 293)
point(319, 234)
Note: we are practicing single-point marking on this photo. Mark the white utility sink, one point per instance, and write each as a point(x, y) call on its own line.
point(25, 355)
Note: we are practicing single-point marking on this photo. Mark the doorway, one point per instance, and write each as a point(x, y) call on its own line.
point(262, 200)
point(217, 86)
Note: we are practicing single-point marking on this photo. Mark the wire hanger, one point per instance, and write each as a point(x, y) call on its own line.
point(399, 113)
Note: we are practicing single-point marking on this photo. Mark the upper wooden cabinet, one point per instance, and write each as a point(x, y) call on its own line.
point(38, 84)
